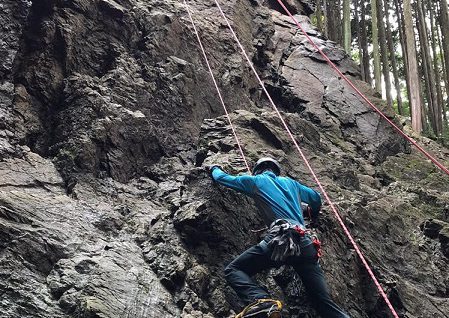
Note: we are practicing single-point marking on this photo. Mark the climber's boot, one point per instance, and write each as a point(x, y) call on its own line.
point(262, 308)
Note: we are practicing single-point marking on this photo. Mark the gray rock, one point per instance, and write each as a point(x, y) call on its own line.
point(108, 120)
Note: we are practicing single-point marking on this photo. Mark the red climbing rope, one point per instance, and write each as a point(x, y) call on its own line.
point(216, 86)
point(411, 140)
point(334, 209)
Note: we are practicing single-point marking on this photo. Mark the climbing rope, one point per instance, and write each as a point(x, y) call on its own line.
point(216, 86)
point(344, 77)
point(334, 209)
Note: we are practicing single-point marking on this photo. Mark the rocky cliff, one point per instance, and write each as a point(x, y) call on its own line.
point(108, 118)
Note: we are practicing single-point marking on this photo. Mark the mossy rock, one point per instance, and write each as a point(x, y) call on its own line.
point(412, 168)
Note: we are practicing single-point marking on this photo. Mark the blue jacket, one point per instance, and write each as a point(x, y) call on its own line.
point(277, 197)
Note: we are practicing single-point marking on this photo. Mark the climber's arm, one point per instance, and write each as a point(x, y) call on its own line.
point(244, 183)
point(312, 198)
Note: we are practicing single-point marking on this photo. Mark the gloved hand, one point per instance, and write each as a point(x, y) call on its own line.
point(309, 215)
point(211, 168)
point(314, 223)
point(306, 210)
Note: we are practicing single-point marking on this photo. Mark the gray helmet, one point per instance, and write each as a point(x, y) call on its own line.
point(266, 163)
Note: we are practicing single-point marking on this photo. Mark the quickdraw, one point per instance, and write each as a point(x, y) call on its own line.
point(316, 242)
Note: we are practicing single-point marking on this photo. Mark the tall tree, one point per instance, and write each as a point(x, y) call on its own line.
point(440, 46)
point(359, 38)
point(384, 52)
point(376, 55)
point(338, 18)
point(326, 17)
point(364, 43)
point(435, 109)
point(333, 25)
point(401, 32)
point(319, 16)
point(347, 36)
point(436, 64)
point(425, 67)
point(390, 43)
point(444, 22)
point(415, 95)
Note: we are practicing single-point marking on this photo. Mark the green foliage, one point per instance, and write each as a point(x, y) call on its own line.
point(428, 132)
point(314, 20)
point(443, 139)
point(405, 107)
point(356, 56)
point(405, 102)
point(401, 65)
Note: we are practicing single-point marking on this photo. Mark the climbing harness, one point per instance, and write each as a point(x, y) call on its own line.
point(273, 311)
point(306, 162)
point(285, 240)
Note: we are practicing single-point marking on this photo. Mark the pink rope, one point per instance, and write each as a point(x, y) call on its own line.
point(337, 215)
point(411, 140)
point(216, 86)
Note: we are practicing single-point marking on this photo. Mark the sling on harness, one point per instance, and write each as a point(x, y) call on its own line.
point(286, 240)
point(317, 243)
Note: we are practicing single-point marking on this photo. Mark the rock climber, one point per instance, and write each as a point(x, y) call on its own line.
point(280, 201)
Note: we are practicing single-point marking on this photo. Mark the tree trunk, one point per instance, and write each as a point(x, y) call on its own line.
point(326, 18)
point(393, 57)
point(429, 116)
point(364, 44)
point(339, 21)
point(384, 51)
point(415, 95)
point(440, 46)
point(347, 37)
point(436, 120)
point(444, 22)
point(401, 32)
point(436, 65)
point(376, 55)
point(332, 23)
point(319, 16)
point(359, 38)
point(424, 111)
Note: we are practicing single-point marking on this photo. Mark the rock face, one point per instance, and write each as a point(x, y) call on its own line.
point(108, 118)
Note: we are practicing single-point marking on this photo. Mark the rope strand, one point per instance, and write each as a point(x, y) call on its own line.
point(216, 86)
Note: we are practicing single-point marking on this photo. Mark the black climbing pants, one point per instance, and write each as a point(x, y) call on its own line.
point(257, 258)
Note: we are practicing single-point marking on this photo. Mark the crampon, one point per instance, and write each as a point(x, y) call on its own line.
point(262, 308)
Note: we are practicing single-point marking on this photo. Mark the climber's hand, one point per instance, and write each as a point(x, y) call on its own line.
point(211, 168)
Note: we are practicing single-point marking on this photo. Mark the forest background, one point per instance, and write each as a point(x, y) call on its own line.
point(403, 50)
